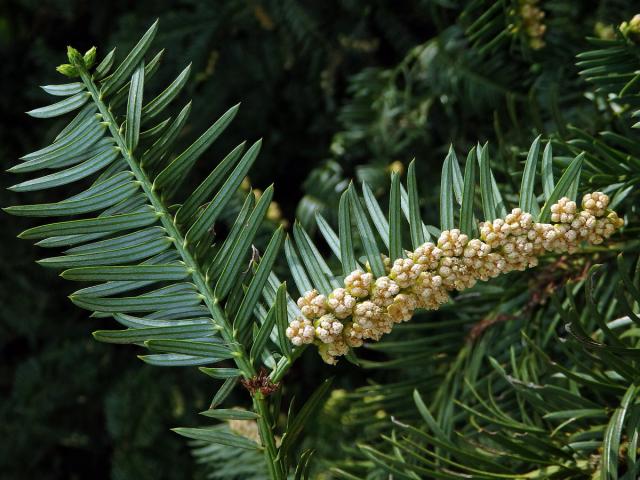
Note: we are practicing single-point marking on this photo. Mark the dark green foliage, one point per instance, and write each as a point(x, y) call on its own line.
point(484, 401)
point(519, 376)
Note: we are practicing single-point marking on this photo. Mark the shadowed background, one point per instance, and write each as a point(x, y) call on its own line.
point(337, 90)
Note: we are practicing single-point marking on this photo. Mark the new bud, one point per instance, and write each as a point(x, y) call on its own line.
point(74, 56)
point(67, 70)
point(90, 57)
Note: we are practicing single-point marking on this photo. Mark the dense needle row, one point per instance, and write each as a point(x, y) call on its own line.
point(366, 307)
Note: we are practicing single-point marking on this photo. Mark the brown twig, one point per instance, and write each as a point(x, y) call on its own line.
point(545, 283)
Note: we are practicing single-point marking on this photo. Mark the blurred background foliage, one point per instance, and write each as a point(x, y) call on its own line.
point(339, 90)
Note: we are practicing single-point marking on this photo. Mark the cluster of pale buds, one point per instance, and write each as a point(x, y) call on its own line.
point(532, 19)
point(367, 308)
point(248, 429)
point(245, 428)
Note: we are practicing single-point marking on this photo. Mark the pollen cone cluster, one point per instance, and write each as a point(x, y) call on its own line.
point(366, 307)
point(532, 19)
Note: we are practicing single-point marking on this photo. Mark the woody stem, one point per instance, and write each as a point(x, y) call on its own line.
point(265, 426)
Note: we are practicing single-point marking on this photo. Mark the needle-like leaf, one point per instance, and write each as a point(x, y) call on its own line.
point(347, 257)
point(447, 221)
point(562, 187)
point(134, 108)
point(395, 219)
point(528, 201)
point(467, 223)
point(369, 243)
point(173, 175)
point(415, 219)
point(129, 64)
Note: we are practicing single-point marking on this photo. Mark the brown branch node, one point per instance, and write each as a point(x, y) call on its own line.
point(260, 383)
